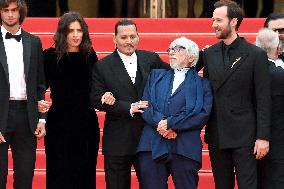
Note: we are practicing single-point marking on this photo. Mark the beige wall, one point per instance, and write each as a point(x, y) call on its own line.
point(89, 8)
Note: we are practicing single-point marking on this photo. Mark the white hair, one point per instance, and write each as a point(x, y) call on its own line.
point(267, 39)
point(190, 46)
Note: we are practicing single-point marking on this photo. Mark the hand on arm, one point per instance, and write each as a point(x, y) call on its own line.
point(43, 106)
point(138, 107)
point(108, 99)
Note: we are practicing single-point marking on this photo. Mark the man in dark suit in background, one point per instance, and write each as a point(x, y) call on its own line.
point(117, 86)
point(238, 130)
point(21, 88)
point(271, 168)
point(275, 21)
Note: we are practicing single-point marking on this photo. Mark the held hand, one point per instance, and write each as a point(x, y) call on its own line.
point(162, 127)
point(261, 148)
point(170, 134)
point(108, 99)
point(139, 106)
point(40, 130)
point(43, 106)
point(2, 139)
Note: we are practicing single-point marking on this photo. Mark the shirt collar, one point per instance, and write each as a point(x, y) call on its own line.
point(181, 71)
point(234, 44)
point(271, 60)
point(126, 57)
point(4, 31)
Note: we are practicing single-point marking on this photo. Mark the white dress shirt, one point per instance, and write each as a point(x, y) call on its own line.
point(279, 62)
point(130, 64)
point(15, 61)
point(179, 76)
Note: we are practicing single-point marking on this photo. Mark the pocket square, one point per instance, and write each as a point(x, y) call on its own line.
point(237, 60)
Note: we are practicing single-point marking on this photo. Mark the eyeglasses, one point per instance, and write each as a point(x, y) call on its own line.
point(175, 49)
point(279, 30)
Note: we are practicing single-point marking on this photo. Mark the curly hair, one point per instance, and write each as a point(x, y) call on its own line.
point(60, 37)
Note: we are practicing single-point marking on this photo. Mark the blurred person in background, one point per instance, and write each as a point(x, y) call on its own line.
point(275, 21)
point(271, 167)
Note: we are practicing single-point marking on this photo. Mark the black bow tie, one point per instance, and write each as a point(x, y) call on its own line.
point(9, 36)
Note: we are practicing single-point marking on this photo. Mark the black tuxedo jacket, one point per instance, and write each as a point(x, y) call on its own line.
point(276, 147)
point(34, 76)
point(241, 91)
point(121, 131)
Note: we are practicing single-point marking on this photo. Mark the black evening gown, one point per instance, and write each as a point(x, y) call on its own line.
point(72, 139)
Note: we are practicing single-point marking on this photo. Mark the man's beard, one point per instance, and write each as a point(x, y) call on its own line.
point(176, 66)
point(225, 33)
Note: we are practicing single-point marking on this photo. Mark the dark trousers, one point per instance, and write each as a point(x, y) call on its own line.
point(118, 171)
point(69, 164)
point(271, 174)
point(154, 175)
point(23, 145)
point(225, 161)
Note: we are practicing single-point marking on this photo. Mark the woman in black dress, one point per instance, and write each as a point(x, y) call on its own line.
point(72, 141)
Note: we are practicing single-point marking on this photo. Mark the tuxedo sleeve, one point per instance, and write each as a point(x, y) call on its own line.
point(41, 86)
point(158, 63)
point(98, 89)
point(262, 95)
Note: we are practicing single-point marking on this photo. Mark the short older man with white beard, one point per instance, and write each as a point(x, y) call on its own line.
point(179, 106)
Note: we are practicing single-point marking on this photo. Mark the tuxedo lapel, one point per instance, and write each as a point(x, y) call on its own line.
point(143, 71)
point(26, 40)
point(237, 60)
point(3, 57)
point(120, 72)
point(217, 67)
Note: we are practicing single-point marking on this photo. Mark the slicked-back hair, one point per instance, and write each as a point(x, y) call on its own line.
point(60, 37)
point(124, 22)
point(233, 11)
point(21, 4)
point(273, 16)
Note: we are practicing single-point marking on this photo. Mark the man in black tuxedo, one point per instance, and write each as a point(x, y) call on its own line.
point(271, 168)
point(275, 21)
point(21, 89)
point(238, 130)
point(117, 87)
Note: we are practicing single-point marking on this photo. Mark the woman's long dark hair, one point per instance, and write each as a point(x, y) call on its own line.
point(60, 37)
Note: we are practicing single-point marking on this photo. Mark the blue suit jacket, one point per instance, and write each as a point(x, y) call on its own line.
point(173, 107)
